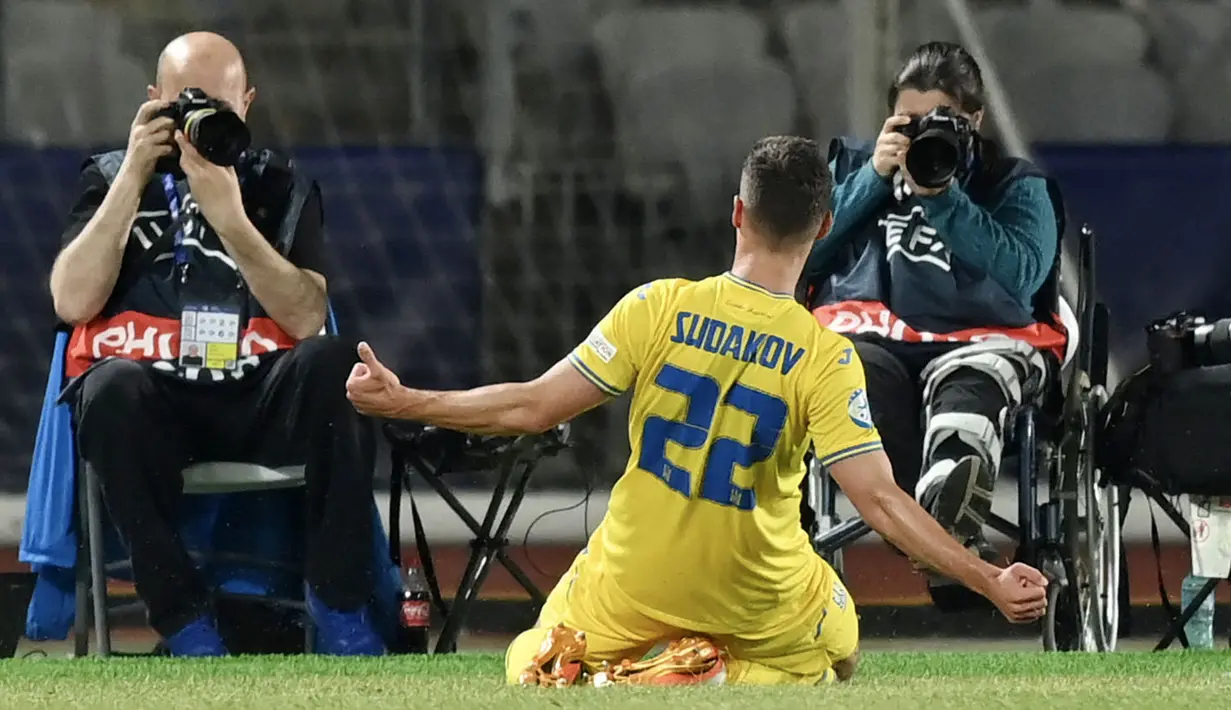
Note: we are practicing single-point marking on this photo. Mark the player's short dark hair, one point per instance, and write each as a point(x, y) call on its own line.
point(786, 186)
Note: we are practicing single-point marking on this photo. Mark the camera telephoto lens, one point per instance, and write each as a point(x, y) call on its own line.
point(220, 136)
point(932, 158)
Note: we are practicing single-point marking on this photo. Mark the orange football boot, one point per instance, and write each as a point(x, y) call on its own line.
point(558, 662)
point(688, 661)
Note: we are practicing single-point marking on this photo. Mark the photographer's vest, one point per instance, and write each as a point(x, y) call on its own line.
point(141, 320)
point(894, 277)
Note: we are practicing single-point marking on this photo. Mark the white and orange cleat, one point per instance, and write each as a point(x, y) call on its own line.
point(558, 662)
point(689, 661)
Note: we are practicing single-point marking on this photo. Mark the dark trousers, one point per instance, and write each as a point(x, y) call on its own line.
point(895, 396)
point(138, 429)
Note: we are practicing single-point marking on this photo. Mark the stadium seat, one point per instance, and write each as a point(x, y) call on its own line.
point(632, 41)
point(923, 22)
point(1017, 35)
point(122, 76)
point(47, 101)
point(1091, 103)
point(1053, 440)
point(56, 54)
point(73, 28)
point(1185, 32)
point(554, 36)
point(1203, 98)
point(818, 44)
point(700, 119)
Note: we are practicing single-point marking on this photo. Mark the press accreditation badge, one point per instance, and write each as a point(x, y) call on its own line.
point(209, 337)
point(1211, 536)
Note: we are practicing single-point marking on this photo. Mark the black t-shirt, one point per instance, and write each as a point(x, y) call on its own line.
point(153, 217)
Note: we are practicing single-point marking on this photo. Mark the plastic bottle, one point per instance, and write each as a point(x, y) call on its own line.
point(1200, 628)
point(415, 613)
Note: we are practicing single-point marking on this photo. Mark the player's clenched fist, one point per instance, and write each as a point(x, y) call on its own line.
point(1020, 593)
point(149, 138)
point(890, 146)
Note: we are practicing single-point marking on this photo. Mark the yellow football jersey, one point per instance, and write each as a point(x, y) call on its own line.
point(730, 382)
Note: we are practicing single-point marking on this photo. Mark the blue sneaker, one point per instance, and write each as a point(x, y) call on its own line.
point(199, 639)
point(342, 633)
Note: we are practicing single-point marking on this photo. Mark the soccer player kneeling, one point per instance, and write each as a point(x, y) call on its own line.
point(701, 548)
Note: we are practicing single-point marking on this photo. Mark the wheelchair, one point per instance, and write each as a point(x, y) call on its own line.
point(1071, 532)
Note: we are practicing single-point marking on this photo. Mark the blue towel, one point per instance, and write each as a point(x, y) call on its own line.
point(48, 537)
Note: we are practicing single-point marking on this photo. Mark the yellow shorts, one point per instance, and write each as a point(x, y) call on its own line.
point(825, 630)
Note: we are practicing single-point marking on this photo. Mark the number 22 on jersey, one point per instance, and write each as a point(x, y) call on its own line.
point(703, 392)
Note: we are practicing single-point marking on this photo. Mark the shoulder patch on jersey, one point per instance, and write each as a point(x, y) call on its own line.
point(644, 289)
point(839, 596)
point(601, 345)
point(858, 410)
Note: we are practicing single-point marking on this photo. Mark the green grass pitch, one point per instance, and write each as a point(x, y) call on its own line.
point(894, 681)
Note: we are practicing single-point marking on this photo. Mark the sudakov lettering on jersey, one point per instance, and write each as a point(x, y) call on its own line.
point(735, 341)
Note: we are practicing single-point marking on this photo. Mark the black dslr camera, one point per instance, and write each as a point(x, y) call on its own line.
point(216, 131)
point(1183, 341)
point(941, 144)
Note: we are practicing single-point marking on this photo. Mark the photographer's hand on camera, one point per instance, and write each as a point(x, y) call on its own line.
point(86, 270)
point(149, 139)
point(891, 147)
point(216, 190)
point(293, 297)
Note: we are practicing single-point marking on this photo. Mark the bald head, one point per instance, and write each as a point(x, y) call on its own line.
point(206, 61)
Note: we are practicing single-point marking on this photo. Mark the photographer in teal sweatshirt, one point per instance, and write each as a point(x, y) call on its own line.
point(935, 276)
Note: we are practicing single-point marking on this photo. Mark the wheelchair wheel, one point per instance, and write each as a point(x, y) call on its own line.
point(1062, 623)
point(1097, 568)
point(1089, 594)
point(819, 494)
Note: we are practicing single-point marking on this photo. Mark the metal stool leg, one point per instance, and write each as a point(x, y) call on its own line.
point(98, 572)
point(500, 542)
point(1186, 615)
point(81, 621)
point(447, 643)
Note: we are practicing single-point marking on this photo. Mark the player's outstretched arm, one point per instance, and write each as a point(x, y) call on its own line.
point(511, 408)
point(867, 479)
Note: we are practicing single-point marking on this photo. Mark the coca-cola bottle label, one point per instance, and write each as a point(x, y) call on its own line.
point(416, 613)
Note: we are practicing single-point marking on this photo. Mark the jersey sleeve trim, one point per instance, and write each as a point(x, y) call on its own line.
point(848, 452)
point(593, 377)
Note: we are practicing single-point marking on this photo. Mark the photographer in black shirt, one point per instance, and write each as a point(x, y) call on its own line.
point(194, 275)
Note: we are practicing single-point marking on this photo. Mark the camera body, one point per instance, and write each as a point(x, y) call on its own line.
point(942, 143)
point(217, 132)
point(1184, 341)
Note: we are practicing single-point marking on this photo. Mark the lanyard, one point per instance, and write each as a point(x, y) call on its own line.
point(173, 203)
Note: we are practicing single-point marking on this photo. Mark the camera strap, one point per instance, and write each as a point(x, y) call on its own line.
point(176, 196)
point(211, 323)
